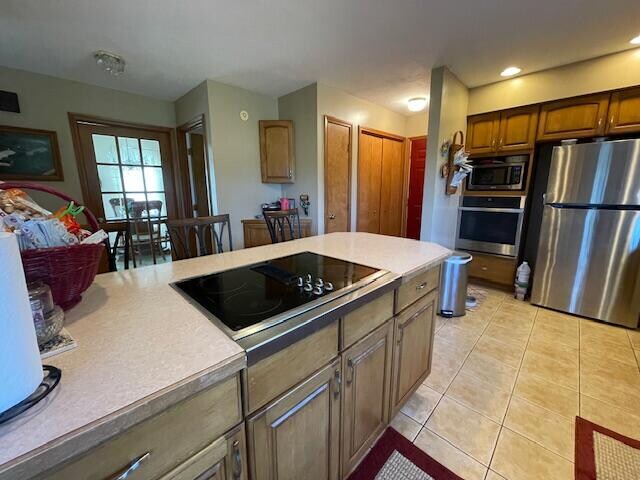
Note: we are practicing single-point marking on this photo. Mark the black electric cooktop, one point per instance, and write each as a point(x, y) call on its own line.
point(248, 295)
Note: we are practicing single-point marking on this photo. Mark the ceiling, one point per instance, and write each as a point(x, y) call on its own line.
point(379, 50)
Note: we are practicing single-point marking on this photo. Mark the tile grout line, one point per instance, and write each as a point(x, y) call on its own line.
point(535, 318)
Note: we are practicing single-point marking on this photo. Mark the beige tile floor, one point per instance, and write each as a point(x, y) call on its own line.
point(506, 384)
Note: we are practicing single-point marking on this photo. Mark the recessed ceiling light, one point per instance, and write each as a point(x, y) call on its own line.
point(510, 71)
point(635, 40)
point(416, 104)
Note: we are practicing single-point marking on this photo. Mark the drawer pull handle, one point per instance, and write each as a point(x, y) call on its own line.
point(338, 381)
point(421, 286)
point(132, 467)
point(484, 269)
point(237, 461)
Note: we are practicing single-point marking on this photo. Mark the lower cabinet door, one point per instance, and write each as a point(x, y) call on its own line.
point(365, 399)
point(413, 338)
point(224, 459)
point(297, 436)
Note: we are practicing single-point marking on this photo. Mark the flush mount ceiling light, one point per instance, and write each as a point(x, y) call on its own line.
point(635, 40)
point(416, 104)
point(510, 71)
point(110, 62)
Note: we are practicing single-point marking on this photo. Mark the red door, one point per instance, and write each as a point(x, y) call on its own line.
point(416, 183)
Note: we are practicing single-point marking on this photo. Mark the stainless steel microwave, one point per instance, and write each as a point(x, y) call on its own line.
point(508, 174)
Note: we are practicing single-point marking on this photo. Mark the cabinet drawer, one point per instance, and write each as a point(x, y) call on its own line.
point(416, 288)
point(365, 319)
point(165, 440)
point(493, 268)
point(224, 459)
point(274, 375)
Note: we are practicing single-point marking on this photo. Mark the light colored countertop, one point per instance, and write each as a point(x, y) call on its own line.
point(142, 346)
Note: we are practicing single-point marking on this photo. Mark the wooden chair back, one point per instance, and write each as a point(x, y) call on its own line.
point(283, 225)
point(195, 237)
point(123, 235)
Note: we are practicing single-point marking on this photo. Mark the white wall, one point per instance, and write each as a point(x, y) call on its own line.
point(45, 102)
point(618, 70)
point(360, 113)
point(236, 152)
point(447, 114)
point(417, 124)
point(301, 107)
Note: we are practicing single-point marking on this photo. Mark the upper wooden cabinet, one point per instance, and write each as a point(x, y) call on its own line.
point(624, 111)
point(482, 133)
point(277, 158)
point(518, 129)
point(573, 118)
point(502, 132)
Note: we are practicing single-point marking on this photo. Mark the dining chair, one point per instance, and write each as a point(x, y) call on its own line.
point(283, 225)
point(195, 237)
point(121, 241)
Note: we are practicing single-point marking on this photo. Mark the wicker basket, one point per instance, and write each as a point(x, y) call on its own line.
point(69, 270)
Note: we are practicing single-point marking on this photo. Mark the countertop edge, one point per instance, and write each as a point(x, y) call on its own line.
point(423, 268)
point(91, 435)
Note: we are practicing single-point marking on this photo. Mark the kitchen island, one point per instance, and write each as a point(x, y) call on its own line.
point(144, 351)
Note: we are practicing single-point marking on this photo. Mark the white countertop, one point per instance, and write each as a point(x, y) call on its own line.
point(142, 346)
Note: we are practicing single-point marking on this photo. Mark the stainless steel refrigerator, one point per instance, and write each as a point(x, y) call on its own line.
point(589, 249)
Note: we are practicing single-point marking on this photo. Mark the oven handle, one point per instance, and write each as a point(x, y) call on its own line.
point(494, 210)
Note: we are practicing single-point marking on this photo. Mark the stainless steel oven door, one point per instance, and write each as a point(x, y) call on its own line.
point(490, 230)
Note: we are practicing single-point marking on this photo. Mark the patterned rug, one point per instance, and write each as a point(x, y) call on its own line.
point(602, 454)
point(393, 457)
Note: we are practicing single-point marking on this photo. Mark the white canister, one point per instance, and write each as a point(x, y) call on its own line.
point(20, 365)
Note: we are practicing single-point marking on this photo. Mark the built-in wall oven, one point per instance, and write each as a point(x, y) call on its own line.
point(504, 173)
point(490, 224)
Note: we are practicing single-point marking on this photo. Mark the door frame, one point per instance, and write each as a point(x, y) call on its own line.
point(182, 162)
point(407, 179)
point(405, 174)
point(329, 119)
point(75, 119)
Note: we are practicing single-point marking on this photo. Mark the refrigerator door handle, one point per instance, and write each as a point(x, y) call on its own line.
point(635, 297)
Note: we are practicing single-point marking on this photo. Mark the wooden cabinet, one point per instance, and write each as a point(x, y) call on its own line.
point(518, 129)
point(365, 399)
point(512, 130)
point(256, 232)
point(493, 268)
point(573, 118)
point(224, 459)
point(277, 159)
point(417, 287)
point(482, 133)
point(196, 422)
point(381, 176)
point(413, 338)
point(624, 111)
point(270, 377)
point(298, 435)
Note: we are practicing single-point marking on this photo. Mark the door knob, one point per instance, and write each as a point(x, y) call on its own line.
point(332, 216)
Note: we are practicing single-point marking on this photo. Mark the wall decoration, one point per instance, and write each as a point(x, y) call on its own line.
point(29, 154)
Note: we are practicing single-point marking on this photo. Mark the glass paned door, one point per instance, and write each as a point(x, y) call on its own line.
point(129, 178)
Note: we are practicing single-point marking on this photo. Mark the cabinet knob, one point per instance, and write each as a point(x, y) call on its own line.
point(484, 269)
point(332, 216)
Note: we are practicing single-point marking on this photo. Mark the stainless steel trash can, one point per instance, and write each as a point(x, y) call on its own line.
point(453, 285)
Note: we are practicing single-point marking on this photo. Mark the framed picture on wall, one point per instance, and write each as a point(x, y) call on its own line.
point(29, 154)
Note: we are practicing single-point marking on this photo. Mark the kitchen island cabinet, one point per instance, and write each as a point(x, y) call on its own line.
point(159, 366)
